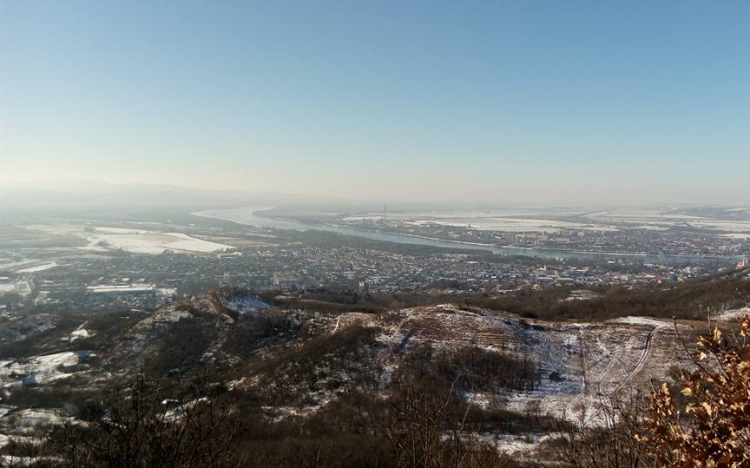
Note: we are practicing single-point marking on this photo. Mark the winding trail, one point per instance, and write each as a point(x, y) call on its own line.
point(641, 361)
point(584, 365)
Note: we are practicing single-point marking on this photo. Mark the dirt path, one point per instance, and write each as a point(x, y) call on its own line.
point(584, 365)
point(641, 361)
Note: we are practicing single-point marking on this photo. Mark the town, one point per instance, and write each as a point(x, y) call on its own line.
point(69, 277)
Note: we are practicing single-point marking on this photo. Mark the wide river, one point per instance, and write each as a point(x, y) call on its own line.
point(249, 216)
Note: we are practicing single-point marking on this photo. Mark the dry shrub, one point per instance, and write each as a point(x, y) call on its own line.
point(714, 430)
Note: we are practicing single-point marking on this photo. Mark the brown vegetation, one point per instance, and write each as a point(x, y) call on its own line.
point(714, 430)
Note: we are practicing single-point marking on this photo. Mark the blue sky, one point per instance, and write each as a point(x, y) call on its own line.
point(496, 100)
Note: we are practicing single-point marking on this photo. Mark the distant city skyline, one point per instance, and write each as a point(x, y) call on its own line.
point(543, 101)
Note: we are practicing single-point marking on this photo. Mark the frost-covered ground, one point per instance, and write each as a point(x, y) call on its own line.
point(243, 303)
point(27, 427)
point(80, 333)
point(583, 364)
point(41, 370)
point(40, 373)
point(582, 295)
point(37, 417)
point(27, 327)
point(734, 314)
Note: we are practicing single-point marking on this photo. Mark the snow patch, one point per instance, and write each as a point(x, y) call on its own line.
point(734, 314)
point(632, 320)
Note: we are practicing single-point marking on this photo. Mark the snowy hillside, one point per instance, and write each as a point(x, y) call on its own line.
point(288, 364)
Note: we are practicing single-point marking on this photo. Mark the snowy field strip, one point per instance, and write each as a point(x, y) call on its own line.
point(125, 288)
point(642, 321)
point(46, 266)
point(735, 314)
point(517, 224)
point(16, 265)
point(737, 235)
point(640, 214)
point(192, 244)
point(724, 225)
point(439, 215)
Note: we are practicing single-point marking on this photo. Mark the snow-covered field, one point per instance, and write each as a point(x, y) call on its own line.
point(509, 221)
point(104, 239)
point(516, 221)
point(530, 221)
point(121, 288)
point(629, 213)
point(517, 224)
point(12, 266)
point(46, 266)
point(438, 215)
point(738, 235)
point(191, 244)
point(148, 242)
point(723, 225)
point(655, 219)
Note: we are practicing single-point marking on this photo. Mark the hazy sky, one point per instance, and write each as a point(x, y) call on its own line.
point(498, 100)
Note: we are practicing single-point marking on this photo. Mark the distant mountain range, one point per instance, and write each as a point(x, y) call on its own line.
point(71, 196)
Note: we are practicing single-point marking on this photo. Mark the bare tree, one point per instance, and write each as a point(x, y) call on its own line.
point(610, 442)
point(428, 427)
point(145, 427)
